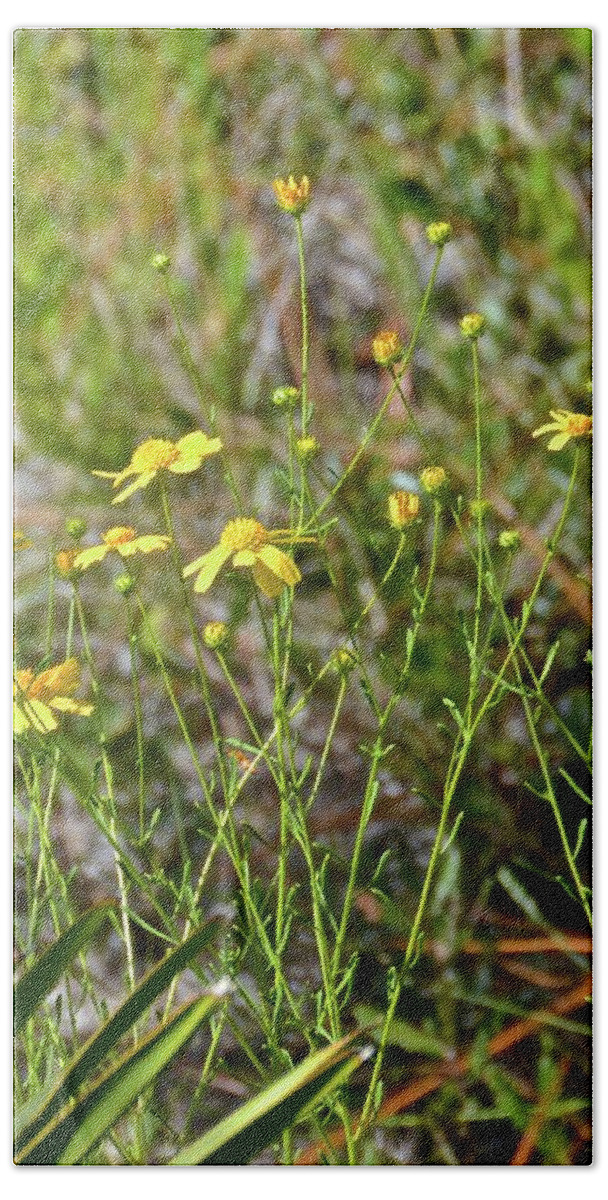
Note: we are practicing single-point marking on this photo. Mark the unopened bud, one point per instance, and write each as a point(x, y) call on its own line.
point(215, 634)
point(439, 232)
point(306, 448)
point(387, 348)
point(76, 528)
point(472, 325)
point(124, 584)
point(509, 539)
point(433, 479)
point(285, 397)
point(161, 262)
point(403, 508)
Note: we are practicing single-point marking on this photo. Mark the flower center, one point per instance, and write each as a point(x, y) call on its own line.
point(243, 534)
point(578, 423)
point(153, 455)
point(118, 535)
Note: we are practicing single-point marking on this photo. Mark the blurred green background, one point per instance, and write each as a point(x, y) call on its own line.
point(134, 141)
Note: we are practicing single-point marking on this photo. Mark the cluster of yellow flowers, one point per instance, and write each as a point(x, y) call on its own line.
point(244, 540)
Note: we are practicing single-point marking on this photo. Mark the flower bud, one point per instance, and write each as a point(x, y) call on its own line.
point(403, 508)
point(161, 263)
point(439, 232)
point(509, 539)
point(307, 448)
point(75, 528)
point(64, 562)
point(286, 397)
point(479, 508)
point(215, 634)
point(472, 325)
point(433, 479)
point(292, 197)
point(343, 661)
point(387, 348)
point(124, 584)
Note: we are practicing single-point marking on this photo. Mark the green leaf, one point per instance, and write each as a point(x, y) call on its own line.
point(403, 1034)
point(83, 1065)
point(36, 983)
point(258, 1123)
point(68, 1138)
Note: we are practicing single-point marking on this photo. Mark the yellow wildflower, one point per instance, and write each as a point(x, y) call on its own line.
point(37, 695)
point(292, 197)
point(125, 541)
point(387, 348)
point(565, 425)
point(249, 544)
point(64, 562)
point(159, 454)
point(21, 540)
point(403, 508)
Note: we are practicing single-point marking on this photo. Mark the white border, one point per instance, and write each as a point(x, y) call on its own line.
point(464, 1181)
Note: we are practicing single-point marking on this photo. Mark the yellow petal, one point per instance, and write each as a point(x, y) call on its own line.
point(269, 583)
point(208, 567)
point(280, 564)
point(68, 705)
point(87, 558)
point(244, 558)
point(545, 429)
point(558, 441)
point(146, 544)
point(36, 715)
point(141, 481)
point(192, 449)
point(57, 681)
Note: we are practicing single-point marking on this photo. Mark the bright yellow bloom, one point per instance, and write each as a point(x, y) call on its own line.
point(387, 348)
point(292, 197)
point(249, 544)
point(159, 454)
point(37, 695)
point(20, 540)
point(64, 562)
point(403, 508)
point(123, 539)
point(565, 425)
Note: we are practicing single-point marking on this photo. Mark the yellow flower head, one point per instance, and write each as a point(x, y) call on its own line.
point(403, 508)
point(159, 454)
point(565, 425)
point(64, 562)
point(125, 541)
point(433, 479)
point(37, 695)
point(292, 197)
point(249, 544)
point(387, 348)
point(20, 540)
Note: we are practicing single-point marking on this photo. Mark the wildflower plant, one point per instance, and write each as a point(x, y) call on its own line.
point(302, 1093)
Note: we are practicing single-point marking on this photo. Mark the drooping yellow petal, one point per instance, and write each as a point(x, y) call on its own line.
point(559, 441)
point(548, 428)
point(192, 450)
point(280, 564)
point(208, 567)
point(244, 558)
point(68, 705)
point(88, 558)
point(146, 544)
point(34, 714)
point(61, 680)
point(269, 583)
point(141, 481)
